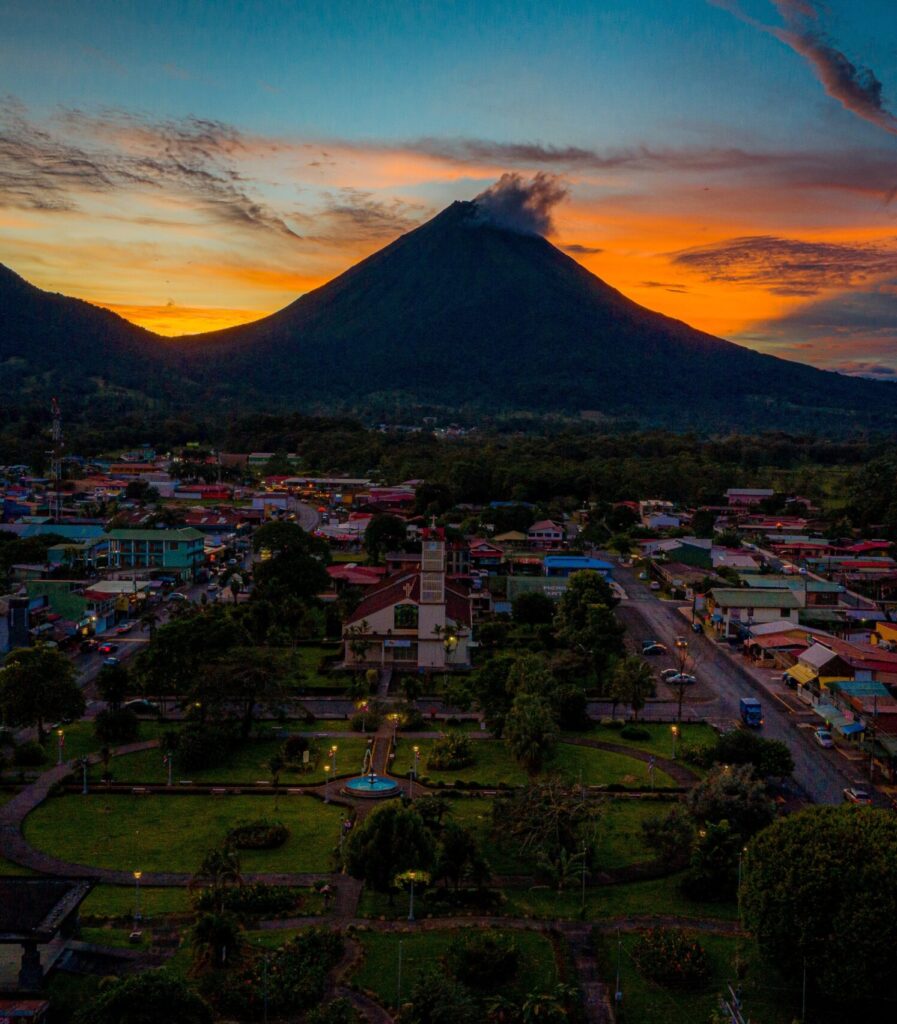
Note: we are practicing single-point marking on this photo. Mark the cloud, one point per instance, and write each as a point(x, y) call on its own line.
point(669, 286)
point(855, 87)
point(580, 250)
point(788, 266)
point(863, 368)
point(522, 206)
point(362, 216)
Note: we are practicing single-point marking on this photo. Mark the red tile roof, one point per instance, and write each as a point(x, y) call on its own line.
point(406, 586)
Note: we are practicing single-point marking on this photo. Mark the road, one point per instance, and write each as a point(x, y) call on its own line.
point(816, 771)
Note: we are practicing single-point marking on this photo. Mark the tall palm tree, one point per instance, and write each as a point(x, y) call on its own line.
point(219, 869)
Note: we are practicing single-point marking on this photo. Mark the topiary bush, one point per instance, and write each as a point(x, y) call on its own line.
point(635, 732)
point(672, 958)
point(29, 755)
point(258, 835)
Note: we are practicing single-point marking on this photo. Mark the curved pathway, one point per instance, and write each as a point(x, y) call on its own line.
point(675, 769)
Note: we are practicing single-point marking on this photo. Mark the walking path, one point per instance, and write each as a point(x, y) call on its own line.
point(675, 769)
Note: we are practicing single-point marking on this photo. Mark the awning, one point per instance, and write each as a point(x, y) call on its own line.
point(801, 674)
point(827, 711)
point(850, 728)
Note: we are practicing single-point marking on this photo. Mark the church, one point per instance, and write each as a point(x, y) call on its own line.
point(415, 620)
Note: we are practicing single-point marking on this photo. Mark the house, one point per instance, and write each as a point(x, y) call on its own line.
point(416, 620)
point(485, 556)
point(512, 539)
point(545, 535)
point(658, 515)
point(565, 565)
point(818, 664)
point(738, 561)
point(733, 610)
point(181, 551)
point(746, 496)
point(812, 592)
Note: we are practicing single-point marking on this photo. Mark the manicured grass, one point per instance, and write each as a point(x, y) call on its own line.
point(247, 764)
point(661, 741)
point(656, 897)
point(766, 999)
point(118, 901)
point(422, 950)
point(495, 765)
point(117, 938)
point(300, 667)
point(173, 833)
point(80, 740)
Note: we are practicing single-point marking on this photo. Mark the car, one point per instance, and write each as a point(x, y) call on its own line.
point(643, 575)
point(655, 648)
point(696, 627)
point(176, 595)
point(855, 795)
point(823, 737)
point(125, 627)
point(141, 706)
point(681, 641)
point(654, 585)
point(668, 673)
point(681, 679)
point(89, 645)
point(107, 648)
point(111, 662)
point(232, 561)
point(212, 587)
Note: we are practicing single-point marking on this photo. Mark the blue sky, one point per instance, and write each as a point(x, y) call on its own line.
point(195, 164)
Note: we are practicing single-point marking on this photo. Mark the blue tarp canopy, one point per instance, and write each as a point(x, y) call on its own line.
point(850, 728)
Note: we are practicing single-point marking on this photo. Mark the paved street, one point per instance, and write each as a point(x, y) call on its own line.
point(821, 774)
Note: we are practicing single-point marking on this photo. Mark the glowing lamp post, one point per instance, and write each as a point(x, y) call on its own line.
point(137, 876)
point(326, 783)
point(60, 744)
point(333, 751)
point(674, 729)
point(414, 765)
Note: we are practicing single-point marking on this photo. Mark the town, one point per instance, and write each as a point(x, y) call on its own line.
point(272, 735)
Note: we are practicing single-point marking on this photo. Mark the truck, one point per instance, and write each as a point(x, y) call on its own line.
point(751, 712)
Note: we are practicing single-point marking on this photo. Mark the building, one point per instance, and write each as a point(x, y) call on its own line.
point(415, 620)
point(746, 496)
point(565, 565)
point(179, 551)
point(545, 535)
point(733, 610)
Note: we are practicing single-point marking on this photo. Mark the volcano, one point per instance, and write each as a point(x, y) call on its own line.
point(463, 314)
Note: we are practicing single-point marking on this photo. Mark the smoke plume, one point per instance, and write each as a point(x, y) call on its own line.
point(519, 205)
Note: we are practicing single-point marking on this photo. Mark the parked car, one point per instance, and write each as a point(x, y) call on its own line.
point(681, 679)
point(855, 795)
point(141, 706)
point(823, 737)
point(212, 588)
point(696, 627)
point(681, 641)
point(654, 585)
point(125, 627)
point(643, 575)
point(88, 645)
point(668, 674)
point(111, 662)
point(107, 648)
point(655, 648)
point(176, 595)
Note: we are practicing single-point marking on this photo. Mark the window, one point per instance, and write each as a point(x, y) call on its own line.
point(405, 654)
point(405, 616)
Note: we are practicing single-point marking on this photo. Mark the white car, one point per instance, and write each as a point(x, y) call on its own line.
point(824, 738)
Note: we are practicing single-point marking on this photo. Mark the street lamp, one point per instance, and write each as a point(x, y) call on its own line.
point(363, 706)
point(333, 750)
point(60, 743)
point(411, 877)
point(326, 783)
point(394, 718)
point(414, 769)
point(674, 729)
point(137, 876)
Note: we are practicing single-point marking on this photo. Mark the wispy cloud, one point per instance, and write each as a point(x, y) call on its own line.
point(855, 87)
point(788, 266)
point(581, 250)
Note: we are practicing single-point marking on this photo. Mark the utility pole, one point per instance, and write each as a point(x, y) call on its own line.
point(399, 978)
point(55, 509)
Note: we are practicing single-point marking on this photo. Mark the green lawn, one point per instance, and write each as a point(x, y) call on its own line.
point(117, 938)
point(378, 972)
point(661, 741)
point(300, 667)
point(247, 764)
point(173, 833)
point(118, 901)
point(656, 897)
point(80, 740)
point(495, 764)
point(765, 996)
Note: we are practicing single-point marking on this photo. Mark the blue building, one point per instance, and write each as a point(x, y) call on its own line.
point(565, 565)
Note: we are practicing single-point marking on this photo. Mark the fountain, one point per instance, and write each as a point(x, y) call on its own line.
point(369, 784)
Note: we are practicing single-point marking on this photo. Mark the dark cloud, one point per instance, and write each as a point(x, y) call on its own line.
point(83, 154)
point(855, 87)
point(863, 368)
point(359, 216)
point(519, 205)
point(789, 266)
point(580, 250)
point(670, 286)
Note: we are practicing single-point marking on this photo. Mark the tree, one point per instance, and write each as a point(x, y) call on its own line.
point(296, 565)
point(437, 998)
point(390, 840)
point(432, 499)
point(819, 888)
point(734, 795)
point(459, 856)
point(769, 758)
point(243, 679)
point(39, 684)
point(713, 870)
point(531, 730)
point(215, 940)
point(146, 998)
point(670, 837)
point(384, 533)
point(489, 683)
point(585, 619)
point(112, 685)
point(632, 682)
point(219, 870)
point(533, 609)
point(544, 818)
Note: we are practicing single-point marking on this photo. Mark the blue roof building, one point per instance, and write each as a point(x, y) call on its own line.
point(566, 565)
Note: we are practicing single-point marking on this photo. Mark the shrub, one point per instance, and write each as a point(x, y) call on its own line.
point(411, 719)
point(120, 726)
point(368, 720)
point(251, 900)
point(258, 835)
point(672, 958)
point(29, 755)
point(451, 753)
point(483, 960)
point(294, 748)
point(634, 732)
point(203, 746)
point(615, 723)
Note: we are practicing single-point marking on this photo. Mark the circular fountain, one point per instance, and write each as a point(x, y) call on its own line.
point(371, 786)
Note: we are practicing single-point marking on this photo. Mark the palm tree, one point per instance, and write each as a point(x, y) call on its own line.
point(633, 682)
point(219, 869)
point(149, 620)
point(216, 941)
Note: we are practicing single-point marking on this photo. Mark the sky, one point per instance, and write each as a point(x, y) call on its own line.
point(192, 165)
